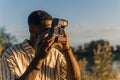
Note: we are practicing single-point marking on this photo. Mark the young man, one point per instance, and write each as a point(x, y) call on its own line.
point(38, 58)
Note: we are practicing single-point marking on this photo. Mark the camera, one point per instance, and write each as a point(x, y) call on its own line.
point(57, 29)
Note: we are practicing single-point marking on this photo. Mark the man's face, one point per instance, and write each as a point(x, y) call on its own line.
point(38, 29)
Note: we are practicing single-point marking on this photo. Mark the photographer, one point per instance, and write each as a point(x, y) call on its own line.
point(40, 57)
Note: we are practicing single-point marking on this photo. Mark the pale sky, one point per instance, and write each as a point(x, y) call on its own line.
point(88, 19)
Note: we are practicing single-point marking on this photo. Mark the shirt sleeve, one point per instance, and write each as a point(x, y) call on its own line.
point(8, 67)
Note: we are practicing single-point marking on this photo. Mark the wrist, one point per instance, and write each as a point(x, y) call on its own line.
point(37, 63)
point(36, 68)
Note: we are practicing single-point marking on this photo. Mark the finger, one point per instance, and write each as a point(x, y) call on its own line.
point(42, 43)
point(41, 39)
point(65, 33)
point(58, 45)
point(45, 45)
point(38, 41)
point(50, 38)
point(49, 45)
point(46, 48)
point(46, 38)
point(46, 35)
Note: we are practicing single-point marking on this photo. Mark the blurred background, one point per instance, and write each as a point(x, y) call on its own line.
point(94, 25)
point(88, 19)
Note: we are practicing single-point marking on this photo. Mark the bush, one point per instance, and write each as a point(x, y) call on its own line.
point(101, 69)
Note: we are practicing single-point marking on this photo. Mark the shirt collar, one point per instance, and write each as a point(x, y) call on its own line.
point(27, 47)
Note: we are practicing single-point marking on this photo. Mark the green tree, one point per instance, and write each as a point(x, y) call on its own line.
point(6, 40)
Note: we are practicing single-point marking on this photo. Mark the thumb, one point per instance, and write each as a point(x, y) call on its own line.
point(58, 45)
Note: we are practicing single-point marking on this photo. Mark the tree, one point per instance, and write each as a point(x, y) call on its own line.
point(6, 40)
point(101, 67)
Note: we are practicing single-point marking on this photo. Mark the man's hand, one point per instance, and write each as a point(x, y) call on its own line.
point(43, 46)
point(63, 45)
point(66, 45)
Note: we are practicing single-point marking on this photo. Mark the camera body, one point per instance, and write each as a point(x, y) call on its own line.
point(57, 29)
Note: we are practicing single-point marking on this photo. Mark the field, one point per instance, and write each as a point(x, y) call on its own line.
point(0, 70)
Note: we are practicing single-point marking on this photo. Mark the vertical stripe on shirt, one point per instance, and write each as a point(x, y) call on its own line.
point(17, 58)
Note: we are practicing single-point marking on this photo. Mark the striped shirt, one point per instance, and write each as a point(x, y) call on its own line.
point(17, 58)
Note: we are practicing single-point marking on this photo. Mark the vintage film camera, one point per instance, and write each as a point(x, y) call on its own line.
point(57, 29)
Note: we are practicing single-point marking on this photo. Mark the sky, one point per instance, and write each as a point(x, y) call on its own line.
point(88, 19)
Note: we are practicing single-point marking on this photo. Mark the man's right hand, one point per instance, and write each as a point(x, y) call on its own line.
point(43, 46)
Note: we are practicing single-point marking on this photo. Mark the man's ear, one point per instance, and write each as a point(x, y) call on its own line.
point(31, 29)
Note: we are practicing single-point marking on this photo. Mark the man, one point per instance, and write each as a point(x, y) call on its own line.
point(38, 58)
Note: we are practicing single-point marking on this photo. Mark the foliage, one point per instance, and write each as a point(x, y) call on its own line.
point(95, 58)
point(101, 69)
point(6, 40)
